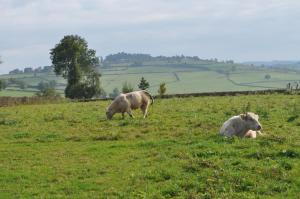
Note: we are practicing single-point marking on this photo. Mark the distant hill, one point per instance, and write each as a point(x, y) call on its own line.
point(146, 59)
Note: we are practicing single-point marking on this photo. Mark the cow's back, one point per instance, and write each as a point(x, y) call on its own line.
point(233, 126)
point(120, 103)
point(135, 99)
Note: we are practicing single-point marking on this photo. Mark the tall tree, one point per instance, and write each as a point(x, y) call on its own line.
point(72, 59)
point(144, 84)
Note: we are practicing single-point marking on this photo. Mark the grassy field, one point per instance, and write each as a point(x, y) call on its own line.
point(16, 93)
point(178, 78)
point(70, 150)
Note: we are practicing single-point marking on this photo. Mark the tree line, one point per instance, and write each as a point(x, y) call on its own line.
point(138, 58)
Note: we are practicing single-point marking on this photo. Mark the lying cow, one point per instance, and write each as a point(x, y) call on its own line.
point(124, 103)
point(240, 126)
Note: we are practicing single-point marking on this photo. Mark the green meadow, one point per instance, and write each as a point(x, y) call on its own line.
point(70, 150)
point(182, 78)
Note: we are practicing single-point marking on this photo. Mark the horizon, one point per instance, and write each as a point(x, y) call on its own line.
point(219, 60)
point(244, 32)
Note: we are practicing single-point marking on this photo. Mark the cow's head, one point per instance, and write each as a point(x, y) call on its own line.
point(109, 114)
point(251, 120)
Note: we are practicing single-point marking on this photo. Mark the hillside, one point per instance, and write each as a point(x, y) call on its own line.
point(70, 150)
point(182, 74)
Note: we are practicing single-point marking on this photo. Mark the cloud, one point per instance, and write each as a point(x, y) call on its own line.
point(231, 29)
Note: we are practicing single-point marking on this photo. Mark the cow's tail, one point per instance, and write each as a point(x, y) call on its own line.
point(150, 96)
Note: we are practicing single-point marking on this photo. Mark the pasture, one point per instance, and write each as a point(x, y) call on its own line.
point(70, 150)
point(178, 79)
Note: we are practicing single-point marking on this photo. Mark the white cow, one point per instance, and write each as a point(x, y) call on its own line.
point(124, 103)
point(241, 125)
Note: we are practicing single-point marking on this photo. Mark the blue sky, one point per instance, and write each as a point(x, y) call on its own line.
point(241, 30)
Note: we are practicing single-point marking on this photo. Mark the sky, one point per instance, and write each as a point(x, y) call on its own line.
point(240, 30)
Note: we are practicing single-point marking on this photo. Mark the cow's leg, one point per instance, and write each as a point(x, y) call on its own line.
point(129, 113)
point(145, 110)
point(123, 115)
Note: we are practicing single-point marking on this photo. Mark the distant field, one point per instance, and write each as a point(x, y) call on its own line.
point(178, 78)
point(16, 93)
point(70, 150)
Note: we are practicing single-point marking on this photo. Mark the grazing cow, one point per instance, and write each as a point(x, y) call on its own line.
point(124, 103)
point(240, 126)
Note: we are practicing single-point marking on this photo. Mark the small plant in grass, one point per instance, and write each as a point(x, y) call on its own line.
point(162, 89)
point(127, 87)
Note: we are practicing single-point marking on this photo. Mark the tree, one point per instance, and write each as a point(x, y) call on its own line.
point(47, 89)
point(162, 89)
point(127, 87)
point(143, 85)
point(72, 59)
point(267, 76)
point(1, 84)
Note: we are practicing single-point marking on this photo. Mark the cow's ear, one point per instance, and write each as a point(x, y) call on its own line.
point(243, 116)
